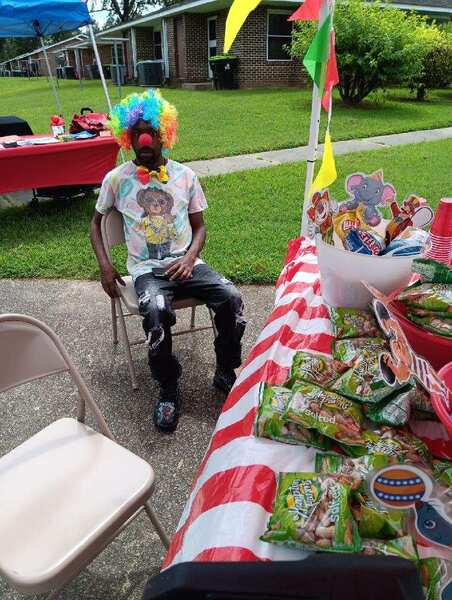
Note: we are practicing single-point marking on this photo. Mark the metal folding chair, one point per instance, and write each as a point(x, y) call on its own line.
point(113, 235)
point(67, 491)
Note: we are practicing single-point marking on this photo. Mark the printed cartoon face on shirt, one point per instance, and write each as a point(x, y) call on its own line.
point(157, 222)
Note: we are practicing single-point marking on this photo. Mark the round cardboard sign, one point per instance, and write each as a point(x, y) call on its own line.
point(400, 486)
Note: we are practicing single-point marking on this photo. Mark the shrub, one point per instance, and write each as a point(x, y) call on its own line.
point(375, 46)
point(437, 61)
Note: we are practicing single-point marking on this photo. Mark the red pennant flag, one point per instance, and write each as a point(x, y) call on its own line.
point(332, 75)
point(308, 11)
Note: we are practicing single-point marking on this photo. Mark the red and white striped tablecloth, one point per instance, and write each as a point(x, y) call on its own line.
point(233, 492)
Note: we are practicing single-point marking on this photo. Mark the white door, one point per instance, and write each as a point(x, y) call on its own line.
point(211, 39)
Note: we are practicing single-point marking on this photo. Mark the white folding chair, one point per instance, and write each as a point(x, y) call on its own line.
point(66, 492)
point(113, 235)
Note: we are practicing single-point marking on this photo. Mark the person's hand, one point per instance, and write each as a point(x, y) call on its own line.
point(181, 269)
point(108, 279)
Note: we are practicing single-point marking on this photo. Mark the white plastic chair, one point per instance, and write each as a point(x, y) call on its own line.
point(113, 235)
point(66, 492)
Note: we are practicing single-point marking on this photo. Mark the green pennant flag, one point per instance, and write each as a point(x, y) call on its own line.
point(316, 57)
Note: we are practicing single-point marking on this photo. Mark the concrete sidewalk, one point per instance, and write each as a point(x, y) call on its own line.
point(79, 312)
point(259, 160)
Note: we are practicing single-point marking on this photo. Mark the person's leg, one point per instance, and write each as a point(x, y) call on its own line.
point(155, 298)
point(224, 299)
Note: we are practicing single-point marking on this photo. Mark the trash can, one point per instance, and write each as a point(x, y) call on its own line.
point(224, 69)
point(150, 72)
point(118, 74)
point(69, 72)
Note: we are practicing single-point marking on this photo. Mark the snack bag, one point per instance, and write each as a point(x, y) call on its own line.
point(363, 241)
point(373, 520)
point(330, 414)
point(442, 471)
point(394, 410)
point(438, 326)
point(436, 577)
point(364, 380)
point(315, 368)
point(269, 424)
point(312, 511)
point(421, 404)
point(432, 271)
point(347, 350)
point(421, 312)
point(352, 323)
point(346, 220)
point(429, 296)
point(403, 547)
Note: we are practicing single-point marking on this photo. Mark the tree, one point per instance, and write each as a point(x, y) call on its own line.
point(122, 11)
point(375, 46)
point(437, 61)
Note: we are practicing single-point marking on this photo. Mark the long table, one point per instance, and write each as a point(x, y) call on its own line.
point(234, 488)
point(82, 162)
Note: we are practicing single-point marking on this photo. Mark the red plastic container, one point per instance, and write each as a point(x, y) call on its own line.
point(445, 412)
point(434, 348)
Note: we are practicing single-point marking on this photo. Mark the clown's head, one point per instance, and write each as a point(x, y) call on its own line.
point(149, 114)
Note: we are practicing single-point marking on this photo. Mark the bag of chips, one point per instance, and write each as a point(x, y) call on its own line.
point(432, 271)
point(315, 368)
point(350, 471)
point(364, 381)
point(332, 415)
point(394, 410)
point(429, 296)
point(375, 521)
point(435, 325)
point(348, 350)
point(352, 322)
point(269, 424)
point(403, 547)
point(312, 511)
point(436, 577)
point(442, 471)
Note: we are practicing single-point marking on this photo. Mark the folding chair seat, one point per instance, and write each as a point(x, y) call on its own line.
point(113, 235)
point(67, 491)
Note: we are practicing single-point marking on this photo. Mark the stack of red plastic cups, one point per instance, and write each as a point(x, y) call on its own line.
point(441, 233)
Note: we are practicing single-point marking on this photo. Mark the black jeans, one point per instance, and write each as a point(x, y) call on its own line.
point(155, 298)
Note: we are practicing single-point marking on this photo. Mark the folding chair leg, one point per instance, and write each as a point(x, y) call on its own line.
point(114, 321)
point(157, 525)
point(193, 317)
point(212, 319)
point(125, 338)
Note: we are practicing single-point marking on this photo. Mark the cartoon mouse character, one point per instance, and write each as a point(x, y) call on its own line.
point(157, 223)
point(320, 213)
point(369, 191)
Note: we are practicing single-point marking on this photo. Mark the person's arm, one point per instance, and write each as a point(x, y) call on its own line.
point(108, 274)
point(183, 268)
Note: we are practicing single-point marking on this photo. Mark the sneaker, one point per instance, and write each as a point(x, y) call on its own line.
point(166, 409)
point(224, 379)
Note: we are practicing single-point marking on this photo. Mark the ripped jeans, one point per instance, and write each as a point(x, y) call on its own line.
point(155, 298)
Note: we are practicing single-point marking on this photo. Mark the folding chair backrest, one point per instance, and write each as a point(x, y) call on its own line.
point(27, 352)
point(30, 350)
point(112, 230)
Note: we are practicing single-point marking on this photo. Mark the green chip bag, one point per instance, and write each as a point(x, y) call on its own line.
point(431, 270)
point(311, 511)
point(442, 471)
point(330, 414)
point(429, 296)
point(394, 410)
point(433, 324)
point(350, 471)
point(436, 577)
point(349, 349)
point(402, 547)
point(375, 521)
point(269, 424)
point(315, 368)
point(352, 323)
point(364, 381)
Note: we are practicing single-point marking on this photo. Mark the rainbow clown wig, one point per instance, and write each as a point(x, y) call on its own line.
point(149, 106)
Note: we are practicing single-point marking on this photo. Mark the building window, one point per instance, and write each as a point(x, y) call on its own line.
point(279, 35)
point(158, 45)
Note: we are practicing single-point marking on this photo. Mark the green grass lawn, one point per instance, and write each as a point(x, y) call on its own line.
point(251, 217)
point(225, 123)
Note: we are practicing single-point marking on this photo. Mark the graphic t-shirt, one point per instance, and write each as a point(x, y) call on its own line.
point(155, 215)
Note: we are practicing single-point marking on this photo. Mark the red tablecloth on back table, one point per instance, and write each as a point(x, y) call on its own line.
point(82, 162)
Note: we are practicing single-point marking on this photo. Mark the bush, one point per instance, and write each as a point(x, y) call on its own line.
point(437, 61)
point(375, 46)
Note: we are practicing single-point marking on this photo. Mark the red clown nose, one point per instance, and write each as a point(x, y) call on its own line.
point(145, 139)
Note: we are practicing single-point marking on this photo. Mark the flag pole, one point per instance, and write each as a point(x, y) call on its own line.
point(316, 106)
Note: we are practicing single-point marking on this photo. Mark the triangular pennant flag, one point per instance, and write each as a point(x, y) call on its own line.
point(237, 15)
point(308, 11)
point(317, 55)
point(327, 173)
point(332, 75)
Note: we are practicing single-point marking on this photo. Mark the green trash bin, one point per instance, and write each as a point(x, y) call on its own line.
point(224, 69)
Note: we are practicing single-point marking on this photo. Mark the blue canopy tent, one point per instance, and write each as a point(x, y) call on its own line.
point(38, 18)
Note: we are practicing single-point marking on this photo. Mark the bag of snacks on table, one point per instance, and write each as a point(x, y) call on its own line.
point(315, 368)
point(428, 296)
point(330, 414)
point(348, 350)
point(403, 547)
point(352, 323)
point(436, 577)
point(394, 410)
point(269, 424)
point(311, 511)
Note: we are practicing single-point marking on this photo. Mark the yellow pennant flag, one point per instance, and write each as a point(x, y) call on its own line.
point(327, 173)
point(237, 15)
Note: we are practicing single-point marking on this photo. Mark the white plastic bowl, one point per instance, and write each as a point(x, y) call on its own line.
point(341, 273)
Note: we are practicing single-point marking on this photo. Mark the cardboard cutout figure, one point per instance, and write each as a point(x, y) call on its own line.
point(320, 214)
